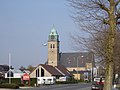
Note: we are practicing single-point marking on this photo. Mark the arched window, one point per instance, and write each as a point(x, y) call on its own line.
point(50, 45)
point(52, 37)
point(53, 45)
point(37, 72)
point(42, 72)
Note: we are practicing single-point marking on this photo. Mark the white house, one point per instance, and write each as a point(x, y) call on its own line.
point(14, 74)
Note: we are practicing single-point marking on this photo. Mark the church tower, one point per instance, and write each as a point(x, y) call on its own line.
point(53, 48)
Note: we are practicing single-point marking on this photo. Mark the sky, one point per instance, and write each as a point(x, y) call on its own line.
point(25, 26)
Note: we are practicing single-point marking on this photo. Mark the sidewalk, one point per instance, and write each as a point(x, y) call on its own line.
point(115, 89)
point(16, 89)
point(25, 87)
point(87, 88)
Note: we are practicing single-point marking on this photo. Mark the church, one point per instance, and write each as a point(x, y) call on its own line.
point(71, 64)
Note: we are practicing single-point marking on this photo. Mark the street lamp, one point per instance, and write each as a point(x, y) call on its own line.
point(77, 68)
point(45, 44)
point(77, 64)
point(9, 68)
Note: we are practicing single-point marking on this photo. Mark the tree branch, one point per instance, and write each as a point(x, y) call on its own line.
point(102, 6)
point(117, 3)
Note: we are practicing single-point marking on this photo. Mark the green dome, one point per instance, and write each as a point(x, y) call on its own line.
point(53, 31)
point(53, 36)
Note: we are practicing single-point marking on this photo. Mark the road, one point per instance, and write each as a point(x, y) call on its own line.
point(80, 86)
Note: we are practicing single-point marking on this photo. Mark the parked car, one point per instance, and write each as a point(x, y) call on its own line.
point(97, 84)
point(46, 80)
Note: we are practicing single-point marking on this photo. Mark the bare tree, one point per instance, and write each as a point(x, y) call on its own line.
point(22, 68)
point(100, 18)
point(30, 68)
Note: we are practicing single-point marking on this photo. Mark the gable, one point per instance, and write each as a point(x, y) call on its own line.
point(51, 70)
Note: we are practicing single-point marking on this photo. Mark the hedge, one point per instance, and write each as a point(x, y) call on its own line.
point(13, 80)
point(10, 86)
point(66, 82)
point(33, 81)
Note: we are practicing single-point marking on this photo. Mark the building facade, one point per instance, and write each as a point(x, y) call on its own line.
point(72, 61)
point(43, 70)
point(53, 48)
point(76, 63)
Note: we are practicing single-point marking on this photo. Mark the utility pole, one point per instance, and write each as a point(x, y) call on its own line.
point(9, 68)
point(77, 68)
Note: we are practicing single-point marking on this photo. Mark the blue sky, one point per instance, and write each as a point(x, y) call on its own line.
point(25, 25)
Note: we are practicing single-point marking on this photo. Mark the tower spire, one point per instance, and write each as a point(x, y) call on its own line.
point(53, 36)
point(53, 47)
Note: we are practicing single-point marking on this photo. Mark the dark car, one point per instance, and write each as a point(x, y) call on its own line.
point(97, 84)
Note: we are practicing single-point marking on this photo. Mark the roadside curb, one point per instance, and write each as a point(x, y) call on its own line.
point(115, 89)
point(25, 87)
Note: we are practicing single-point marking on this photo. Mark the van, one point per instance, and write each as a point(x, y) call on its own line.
point(46, 80)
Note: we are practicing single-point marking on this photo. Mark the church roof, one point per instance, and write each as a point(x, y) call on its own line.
point(51, 69)
point(57, 70)
point(77, 58)
point(63, 70)
point(53, 31)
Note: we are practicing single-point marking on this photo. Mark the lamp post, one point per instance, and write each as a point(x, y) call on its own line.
point(80, 57)
point(9, 68)
point(97, 67)
point(91, 74)
point(77, 68)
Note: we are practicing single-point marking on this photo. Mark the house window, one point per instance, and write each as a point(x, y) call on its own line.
point(10, 74)
point(37, 72)
point(42, 72)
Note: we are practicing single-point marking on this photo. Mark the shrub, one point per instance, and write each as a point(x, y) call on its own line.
point(33, 81)
point(18, 81)
point(21, 85)
point(11, 86)
point(2, 81)
point(66, 82)
point(13, 80)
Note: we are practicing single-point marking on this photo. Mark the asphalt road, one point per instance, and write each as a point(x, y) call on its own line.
point(80, 86)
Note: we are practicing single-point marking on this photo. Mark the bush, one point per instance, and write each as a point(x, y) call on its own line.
point(18, 81)
point(2, 81)
point(33, 81)
point(11, 86)
point(13, 80)
point(21, 85)
point(66, 82)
